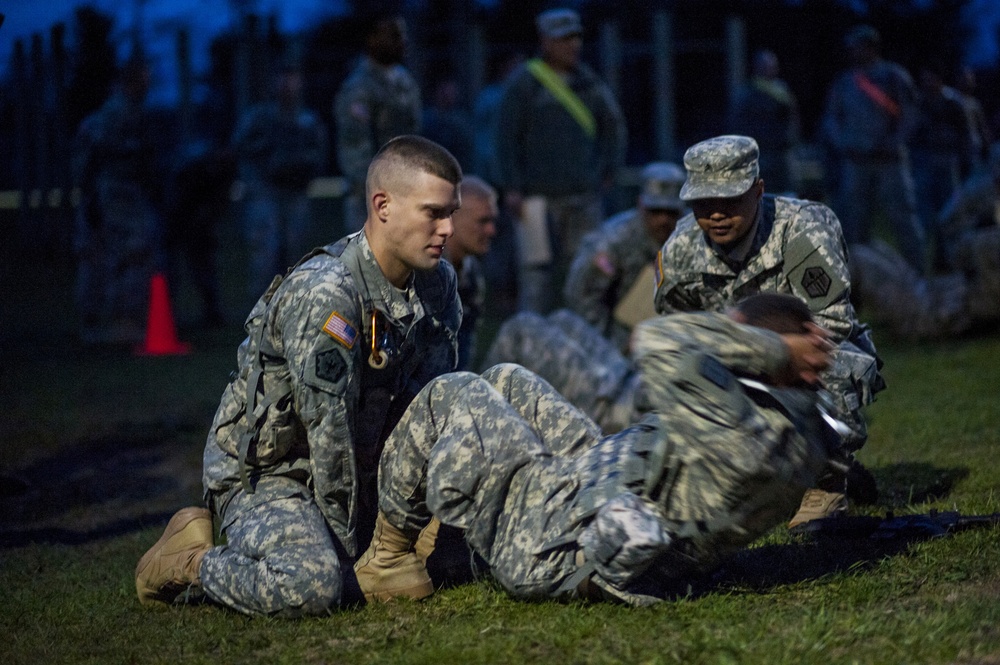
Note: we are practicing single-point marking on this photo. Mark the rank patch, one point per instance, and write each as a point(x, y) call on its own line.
point(816, 282)
point(338, 328)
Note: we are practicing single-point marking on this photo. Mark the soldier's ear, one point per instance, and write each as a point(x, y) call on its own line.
point(381, 201)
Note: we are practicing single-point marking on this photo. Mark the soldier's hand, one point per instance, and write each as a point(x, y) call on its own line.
point(809, 354)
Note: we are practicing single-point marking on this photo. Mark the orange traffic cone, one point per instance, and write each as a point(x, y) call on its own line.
point(161, 334)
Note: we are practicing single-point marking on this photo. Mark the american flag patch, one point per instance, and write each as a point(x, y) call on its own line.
point(338, 328)
point(658, 268)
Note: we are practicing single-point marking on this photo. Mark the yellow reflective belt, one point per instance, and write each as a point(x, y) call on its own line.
point(557, 86)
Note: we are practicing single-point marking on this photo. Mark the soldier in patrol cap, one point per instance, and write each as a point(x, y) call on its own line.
point(738, 241)
point(560, 143)
point(731, 439)
point(610, 280)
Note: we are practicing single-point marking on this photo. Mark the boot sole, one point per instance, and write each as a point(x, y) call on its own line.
point(180, 521)
point(417, 591)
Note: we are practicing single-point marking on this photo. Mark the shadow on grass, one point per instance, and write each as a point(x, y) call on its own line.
point(909, 483)
point(101, 487)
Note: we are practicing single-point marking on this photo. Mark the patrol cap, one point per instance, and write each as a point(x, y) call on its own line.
point(661, 186)
point(558, 23)
point(862, 34)
point(720, 167)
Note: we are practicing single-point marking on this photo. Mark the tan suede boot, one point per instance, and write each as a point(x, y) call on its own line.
point(390, 567)
point(817, 504)
point(174, 562)
point(427, 540)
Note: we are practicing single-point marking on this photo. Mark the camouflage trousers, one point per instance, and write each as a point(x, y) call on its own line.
point(570, 217)
point(551, 506)
point(277, 221)
point(570, 354)
point(280, 558)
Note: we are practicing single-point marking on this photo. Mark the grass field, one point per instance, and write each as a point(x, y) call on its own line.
point(101, 447)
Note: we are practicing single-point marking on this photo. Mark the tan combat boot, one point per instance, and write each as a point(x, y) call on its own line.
point(174, 562)
point(390, 567)
point(427, 540)
point(817, 504)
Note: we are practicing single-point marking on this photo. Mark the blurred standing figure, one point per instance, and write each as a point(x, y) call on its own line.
point(939, 145)
point(475, 227)
point(486, 117)
point(117, 225)
point(561, 142)
point(447, 123)
point(378, 101)
point(610, 283)
point(766, 109)
point(980, 135)
point(200, 200)
point(281, 147)
point(869, 116)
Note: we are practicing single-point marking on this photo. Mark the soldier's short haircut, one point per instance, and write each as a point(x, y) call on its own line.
point(411, 153)
point(779, 312)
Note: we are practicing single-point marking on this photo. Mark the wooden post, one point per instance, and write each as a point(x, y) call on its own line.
point(22, 133)
point(736, 47)
point(664, 115)
point(611, 56)
point(185, 77)
point(62, 154)
point(39, 140)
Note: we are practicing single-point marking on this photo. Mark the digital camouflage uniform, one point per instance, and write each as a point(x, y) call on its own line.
point(796, 247)
point(375, 104)
point(550, 505)
point(607, 264)
point(571, 355)
point(280, 152)
point(117, 225)
point(596, 378)
point(307, 494)
point(472, 293)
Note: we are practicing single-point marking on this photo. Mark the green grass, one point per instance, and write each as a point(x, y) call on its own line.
point(99, 448)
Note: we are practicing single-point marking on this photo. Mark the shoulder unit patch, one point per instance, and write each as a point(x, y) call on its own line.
point(816, 282)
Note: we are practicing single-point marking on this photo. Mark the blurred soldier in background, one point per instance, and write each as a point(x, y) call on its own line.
point(939, 146)
point(560, 144)
point(281, 147)
point(117, 229)
point(446, 122)
point(980, 135)
point(610, 282)
point(200, 199)
point(475, 227)
point(869, 115)
point(766, 109)
point(737, 241)
point(379, 100)
point(965, 297)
